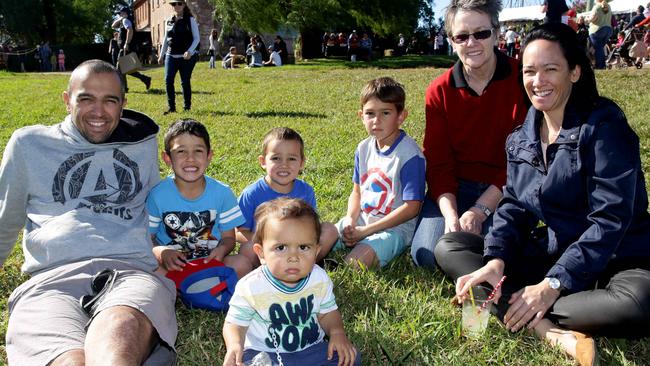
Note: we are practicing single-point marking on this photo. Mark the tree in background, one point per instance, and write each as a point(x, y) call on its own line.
point(382, 17)
point(389, 17)
point(57, 21)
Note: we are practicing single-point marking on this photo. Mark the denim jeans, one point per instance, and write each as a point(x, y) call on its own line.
point(431, 223)
point(599, 40)
point(184, 67)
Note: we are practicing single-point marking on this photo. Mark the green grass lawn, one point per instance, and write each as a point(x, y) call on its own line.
point(399, 315)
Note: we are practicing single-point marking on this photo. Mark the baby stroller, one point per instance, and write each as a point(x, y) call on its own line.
point(621, 56)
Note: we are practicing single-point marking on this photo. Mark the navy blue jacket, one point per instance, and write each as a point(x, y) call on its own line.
point(592, 197)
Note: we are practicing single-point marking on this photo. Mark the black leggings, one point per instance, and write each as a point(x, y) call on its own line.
point(618, 305)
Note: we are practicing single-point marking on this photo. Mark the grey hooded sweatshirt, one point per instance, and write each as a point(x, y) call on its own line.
point(77, 200)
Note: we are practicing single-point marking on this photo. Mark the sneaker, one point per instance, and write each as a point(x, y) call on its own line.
point(170, 110)
point(147, 82)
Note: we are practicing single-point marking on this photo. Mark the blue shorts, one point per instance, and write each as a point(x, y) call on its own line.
point(386, 244)
point(313, 355)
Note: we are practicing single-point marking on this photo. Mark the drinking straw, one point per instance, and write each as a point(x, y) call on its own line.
point(494, 291)
point(471, 297)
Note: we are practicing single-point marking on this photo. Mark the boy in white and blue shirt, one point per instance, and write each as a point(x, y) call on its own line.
point(286, 307)
point(190, 214)
point(389, 180)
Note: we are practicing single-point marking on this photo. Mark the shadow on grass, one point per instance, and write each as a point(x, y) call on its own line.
point(401, 62)
point(221, 113)
point(161, 91)
point(264, 114)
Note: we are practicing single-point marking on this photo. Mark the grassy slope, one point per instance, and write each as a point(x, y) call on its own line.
point(398, 315)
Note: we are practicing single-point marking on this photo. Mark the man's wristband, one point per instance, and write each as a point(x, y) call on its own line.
point(486, 210)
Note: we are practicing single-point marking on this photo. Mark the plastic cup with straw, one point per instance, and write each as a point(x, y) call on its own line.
point(475, 313)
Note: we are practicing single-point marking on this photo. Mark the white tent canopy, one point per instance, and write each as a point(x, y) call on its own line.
point(533, 12)
point(626, 6)
point(621, 7)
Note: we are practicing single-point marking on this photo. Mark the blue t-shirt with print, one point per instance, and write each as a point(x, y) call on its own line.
point(192, 226)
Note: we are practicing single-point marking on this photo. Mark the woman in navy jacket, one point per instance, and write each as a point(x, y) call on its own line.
point(572, 232)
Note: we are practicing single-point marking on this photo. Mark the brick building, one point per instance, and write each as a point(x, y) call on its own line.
point(150, 16)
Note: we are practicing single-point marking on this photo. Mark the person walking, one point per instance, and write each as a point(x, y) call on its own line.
point(179, 52)
point(45, 53)
point(511, 39)
point(214, 50)
point(600, 30)
point(114, 48)
point(125, 25)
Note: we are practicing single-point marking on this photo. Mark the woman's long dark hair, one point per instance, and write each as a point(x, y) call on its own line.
point(584, 93)
point(187, 12)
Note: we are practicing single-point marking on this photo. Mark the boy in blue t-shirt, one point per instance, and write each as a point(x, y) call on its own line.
point(190, 214)
point(283, 157)
point(388, 180)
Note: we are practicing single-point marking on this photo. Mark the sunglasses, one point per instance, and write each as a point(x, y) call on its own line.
point(101, 283)
point(176, 4)
point(480, 35)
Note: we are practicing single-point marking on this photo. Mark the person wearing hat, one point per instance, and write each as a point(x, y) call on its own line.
point(511, 38)
point(274, 58)
point(179, 52)
point(125, 25)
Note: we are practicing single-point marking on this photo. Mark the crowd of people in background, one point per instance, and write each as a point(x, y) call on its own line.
point(608, 39)
point(41, 58)
point(600, 32)
point(366, 46)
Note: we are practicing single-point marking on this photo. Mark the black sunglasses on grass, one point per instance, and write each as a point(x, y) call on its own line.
point(480, 35)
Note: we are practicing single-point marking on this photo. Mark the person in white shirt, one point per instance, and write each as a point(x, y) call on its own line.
point(214, 49)
point(286, 306)
point(274, 58)
point(511, 38)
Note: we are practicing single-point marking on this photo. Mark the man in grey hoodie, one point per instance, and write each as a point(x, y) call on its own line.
point(78, 188)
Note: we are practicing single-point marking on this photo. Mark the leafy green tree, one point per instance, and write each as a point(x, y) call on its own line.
point(389, 17)
point(270, 15)
point(58, 21)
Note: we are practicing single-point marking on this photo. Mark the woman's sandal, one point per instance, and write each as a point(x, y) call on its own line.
point(586, 354)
